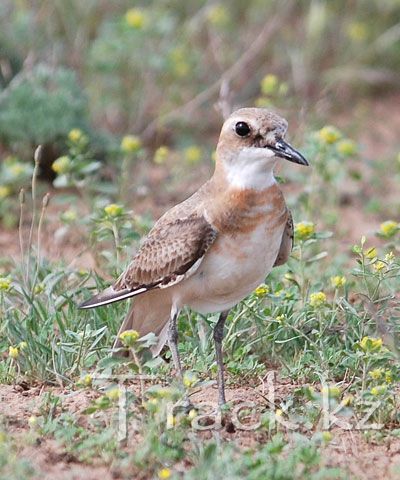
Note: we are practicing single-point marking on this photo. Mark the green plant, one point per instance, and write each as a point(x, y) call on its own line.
point(276, 460)
point(41, 106)
point(14, 175)
point(12, 464)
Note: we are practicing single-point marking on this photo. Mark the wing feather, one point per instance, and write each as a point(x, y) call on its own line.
point(172, 251)
point(286, 243)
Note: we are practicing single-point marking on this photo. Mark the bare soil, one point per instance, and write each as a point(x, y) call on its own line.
point(359, 457)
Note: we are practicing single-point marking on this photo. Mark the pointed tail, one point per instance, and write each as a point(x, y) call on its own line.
point(150, 312)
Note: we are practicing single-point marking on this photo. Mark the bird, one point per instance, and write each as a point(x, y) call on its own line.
point(213, 249)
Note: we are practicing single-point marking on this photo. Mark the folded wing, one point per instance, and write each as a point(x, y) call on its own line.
point(172, 251)
point(287, 242)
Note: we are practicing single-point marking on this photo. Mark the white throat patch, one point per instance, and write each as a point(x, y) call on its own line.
point(251, 168)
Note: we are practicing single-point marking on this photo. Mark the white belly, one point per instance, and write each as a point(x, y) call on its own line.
point(232, 268)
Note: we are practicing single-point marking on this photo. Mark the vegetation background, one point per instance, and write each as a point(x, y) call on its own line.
point(126, 99)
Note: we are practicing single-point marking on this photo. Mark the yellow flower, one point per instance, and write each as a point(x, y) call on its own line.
point(357, 31)
point(39, 288)
point(218, 15)
point(131, 144)
point(317, 299)
point(388, 376)
point(379, 266)
point(347, 400)
point(32, 421)
point(331, 391)
point(75, 135)
point(338, 281)
point(62, 165)
point(280, 318)
point(278, 412)
point(87, 380)
point(326, 437)
point(329, 134)
point(165, 393)
point(371, 253)
point(192, 154)
point(114, 210)
point(164, 474)
point(129, 337)
point(388, 228)
point(160, 155)
point(304, 230)
point(136, 18)
point(13, 352)
point(379, 390)
point(192, 414)
point(114, 394)
point(262, 290)
point(190, 379)
point(22, 345)
point(5, 191)
point(5, 284)
point(376, 373)
point(69, 216)
point(269, 84)
point(171, 420)
point(370, 344)
point(346, 147)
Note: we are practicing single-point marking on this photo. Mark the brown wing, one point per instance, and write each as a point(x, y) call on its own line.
point(173, 250)
point(287, 242)
point(169, 252)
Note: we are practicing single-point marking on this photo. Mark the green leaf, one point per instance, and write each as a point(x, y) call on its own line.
point(109, 362)
point(317, 257)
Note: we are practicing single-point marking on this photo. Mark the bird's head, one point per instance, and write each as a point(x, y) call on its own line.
point(252, 140)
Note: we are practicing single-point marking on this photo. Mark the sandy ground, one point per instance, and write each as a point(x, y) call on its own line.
point(350, 450)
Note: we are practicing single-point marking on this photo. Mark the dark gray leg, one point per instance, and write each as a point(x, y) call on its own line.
point(173, 343)
point(218, 336)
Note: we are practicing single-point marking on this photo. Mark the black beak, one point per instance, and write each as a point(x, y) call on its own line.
point(284, 150)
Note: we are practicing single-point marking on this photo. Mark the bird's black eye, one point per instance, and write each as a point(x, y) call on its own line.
point(242, 129)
